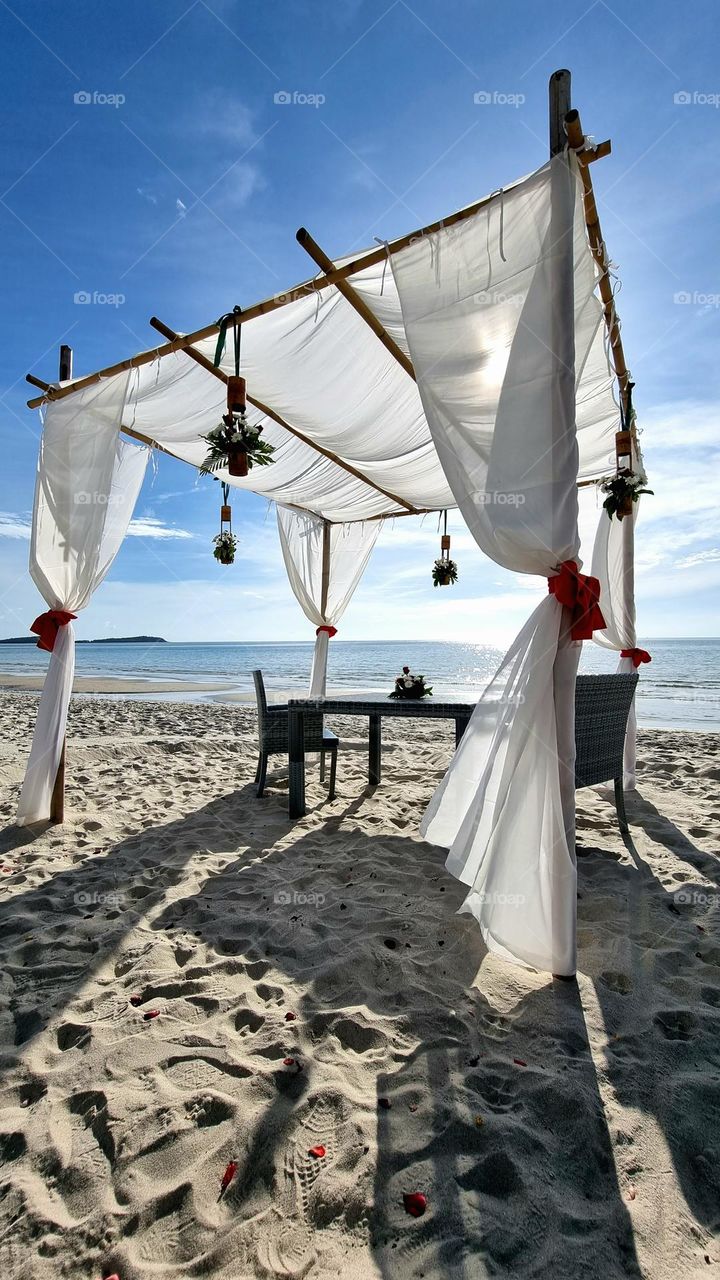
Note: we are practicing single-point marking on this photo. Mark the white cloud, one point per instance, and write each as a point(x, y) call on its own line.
point(238, 186)
point(701, 557)
point(16, 526)
point(149, 527)
point(13, 526)
point(223, 118)
point(181, 208)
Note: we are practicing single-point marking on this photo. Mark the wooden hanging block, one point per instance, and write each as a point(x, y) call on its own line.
point(623, 450)
point(236, 395)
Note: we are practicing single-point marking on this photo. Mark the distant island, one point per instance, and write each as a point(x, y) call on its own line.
point(102, 640)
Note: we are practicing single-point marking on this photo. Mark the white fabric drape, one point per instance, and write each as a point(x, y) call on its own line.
point(324, 564)
point(502, 416)
point(613, 564)
point(87, 483)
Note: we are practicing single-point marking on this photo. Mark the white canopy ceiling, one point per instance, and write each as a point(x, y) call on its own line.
point(319, 366)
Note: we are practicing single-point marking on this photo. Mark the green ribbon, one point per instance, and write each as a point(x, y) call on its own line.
point(222, 335)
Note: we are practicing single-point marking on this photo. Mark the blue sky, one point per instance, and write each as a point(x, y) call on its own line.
point(183, 199)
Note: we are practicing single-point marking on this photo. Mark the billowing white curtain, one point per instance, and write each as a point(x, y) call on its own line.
point(613, 564)
point(87, 483)
point(505, 809)
point(325, 563)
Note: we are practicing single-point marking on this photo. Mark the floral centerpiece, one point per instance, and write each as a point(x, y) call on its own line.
point(444, 573)
point(225, 547)
point(409, 686)
point(622, 491)
point(236, 444)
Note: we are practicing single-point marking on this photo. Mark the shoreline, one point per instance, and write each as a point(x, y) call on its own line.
point(182, 692)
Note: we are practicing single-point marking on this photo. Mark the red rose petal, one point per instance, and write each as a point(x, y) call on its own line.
point(151, 1013)
point(318, 1151)
point(415, 1203)
point(228, 1176)
point(135, 1001)
point(288, 1062)
point(290, 1017)
point(519, 1062)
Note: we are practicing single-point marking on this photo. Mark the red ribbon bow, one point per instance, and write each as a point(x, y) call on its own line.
point(332, 631)
point(48, 625)
point(637, 655)
point(581, 593)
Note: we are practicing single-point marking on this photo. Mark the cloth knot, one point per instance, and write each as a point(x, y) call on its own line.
point(332, 631)
point(47, 625)
point(638, 656)
point(580, 593)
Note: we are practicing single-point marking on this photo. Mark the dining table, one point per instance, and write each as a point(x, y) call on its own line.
point(375, 709)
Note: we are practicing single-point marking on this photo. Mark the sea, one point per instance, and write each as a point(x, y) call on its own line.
point(679, 689)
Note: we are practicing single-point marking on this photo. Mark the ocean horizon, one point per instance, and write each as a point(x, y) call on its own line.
point(680, 688)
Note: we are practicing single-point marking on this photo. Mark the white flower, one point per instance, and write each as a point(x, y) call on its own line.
point(408, 682)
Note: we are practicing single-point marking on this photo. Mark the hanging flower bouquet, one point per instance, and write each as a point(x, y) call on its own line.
point(225, 547)
point(237, 445)
point(410, 686)
point(622, 491)
point(444, 573)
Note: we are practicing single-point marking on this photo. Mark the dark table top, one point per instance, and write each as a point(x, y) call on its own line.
point(361, 705)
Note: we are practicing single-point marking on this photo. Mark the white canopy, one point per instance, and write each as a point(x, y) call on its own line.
point(497, 311)
point(318, 365)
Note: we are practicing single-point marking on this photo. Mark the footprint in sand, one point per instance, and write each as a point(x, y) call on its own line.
point(204, 1073)
point(676, 1024)
point(617, 982)
point(287, 1250)
point(247, 1022)
point(497, 1091)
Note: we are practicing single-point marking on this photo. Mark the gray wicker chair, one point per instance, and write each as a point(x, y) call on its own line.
point(273, 735)
point(602, 706)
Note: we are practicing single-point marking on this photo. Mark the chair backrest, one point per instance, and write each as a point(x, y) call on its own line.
point(260, 694)
point(273, 723)
point(602, 707)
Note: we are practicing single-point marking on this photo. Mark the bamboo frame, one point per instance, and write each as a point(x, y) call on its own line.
point(57, 798)
point(576, 142)
point(334, 275)
point(270, 413)
point(327, 265)
point(325, 579)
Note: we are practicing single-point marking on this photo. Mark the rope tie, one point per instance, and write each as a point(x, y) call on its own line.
point(386, 245)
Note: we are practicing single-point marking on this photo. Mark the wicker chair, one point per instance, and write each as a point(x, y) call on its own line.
point(602, 706)
point(273, 735)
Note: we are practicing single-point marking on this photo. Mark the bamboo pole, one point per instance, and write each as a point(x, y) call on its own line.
point(300, 435)
point(57, 799)
point(325, 580)
point(326, 264)
point(558, 107)
point(576, 141)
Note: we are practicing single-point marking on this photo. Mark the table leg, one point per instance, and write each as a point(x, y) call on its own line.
point(375, 753)
point(296, 762)
point(461, 724)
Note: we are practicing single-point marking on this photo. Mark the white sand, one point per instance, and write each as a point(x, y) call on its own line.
point(557, 1131)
